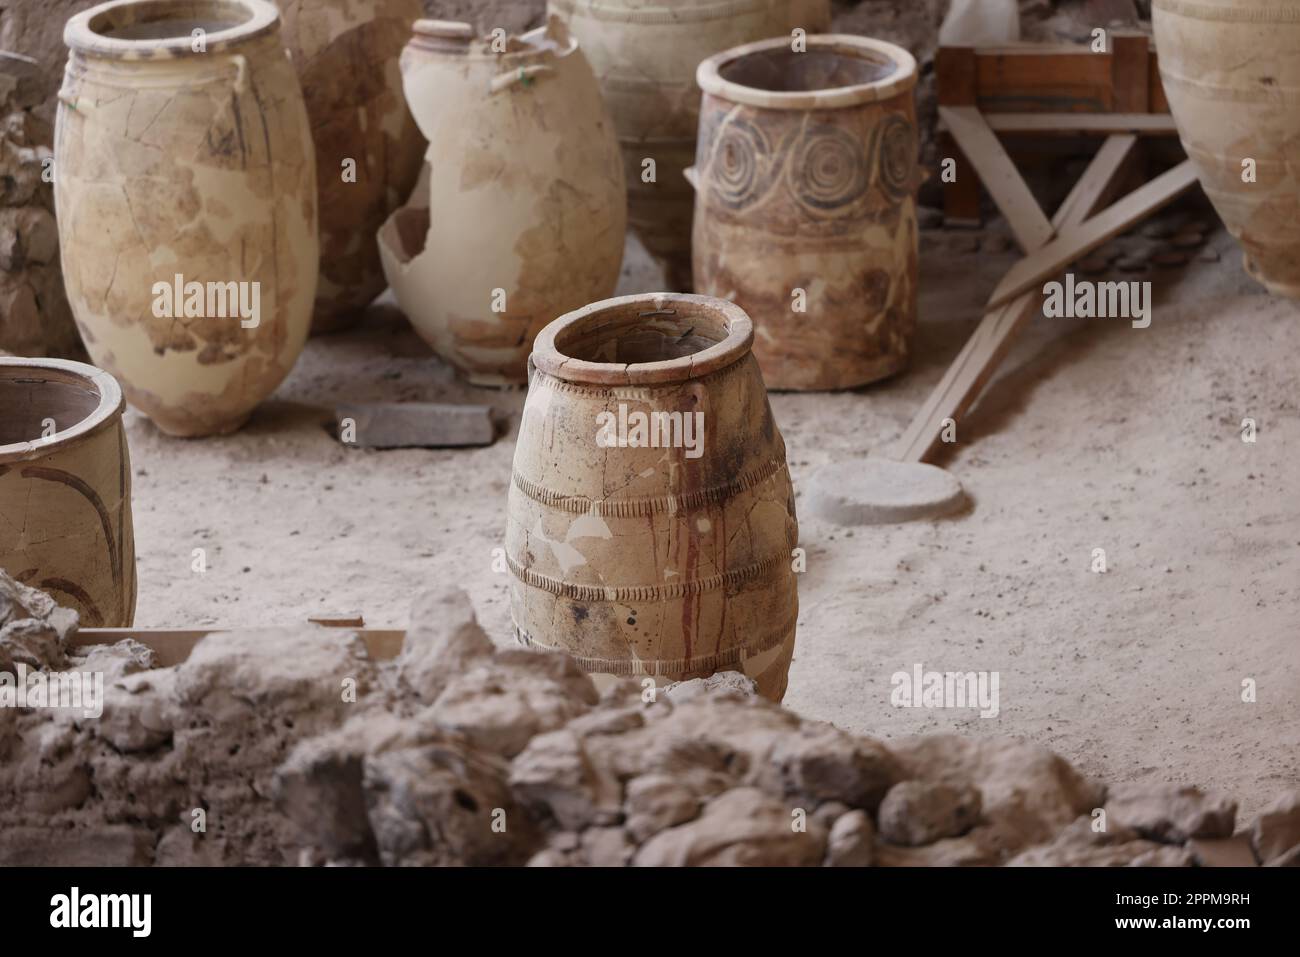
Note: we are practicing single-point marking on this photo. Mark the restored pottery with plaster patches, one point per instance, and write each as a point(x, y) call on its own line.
point(1232, 77)
point(186, 155)
point(65, 487)
point(522, 215)
point(805, 211)
point(346, 54)
point(662, 550)
point(645, 53)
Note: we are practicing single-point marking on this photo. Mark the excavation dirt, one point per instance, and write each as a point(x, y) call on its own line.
point(1177, 664)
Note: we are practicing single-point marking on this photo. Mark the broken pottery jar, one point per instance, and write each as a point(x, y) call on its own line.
point(185, 187)
point(651, 518)
point(65, 487)
point(805, 204)
point(645, 57)
point(1232, 78)
point(521, 214)
point(368, 148)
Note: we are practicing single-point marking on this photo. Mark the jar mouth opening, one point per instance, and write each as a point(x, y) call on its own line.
point(833, 70)
point(50, 403)
point(166, 29)
point(458, 38)
point(644, 339)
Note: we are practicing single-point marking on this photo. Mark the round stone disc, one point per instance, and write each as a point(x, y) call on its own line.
point(874, 491)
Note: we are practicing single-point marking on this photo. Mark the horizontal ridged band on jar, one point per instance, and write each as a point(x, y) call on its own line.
point(646, 560)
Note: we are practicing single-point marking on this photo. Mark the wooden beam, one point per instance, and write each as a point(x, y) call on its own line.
point(1068, 246)
point(1142, 124)
point(999, 175)
point(970, 372)
point(954, 75)
point(1129, 71)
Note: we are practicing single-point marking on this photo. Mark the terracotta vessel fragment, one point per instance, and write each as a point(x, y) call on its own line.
point(521, 214)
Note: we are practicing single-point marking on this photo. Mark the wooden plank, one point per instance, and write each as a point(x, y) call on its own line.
point(171, 646)
point(1039, 79)
point(970, 372)
point(1142, 124)
point(961, 198)
point(395, 425)
point(954, 74)
point(1156, 99)
point(999, 175)
point(1130, 86)
point(1083, 239)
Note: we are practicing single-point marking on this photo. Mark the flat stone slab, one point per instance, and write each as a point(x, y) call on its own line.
point(878, 491)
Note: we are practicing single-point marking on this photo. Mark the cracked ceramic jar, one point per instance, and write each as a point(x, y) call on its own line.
point(185, 192)
point(368, 148)
point(521, 215)
point(645, 53)
point(65, 488)
point(651, 527)
point(1231, 75)
point(805, 206)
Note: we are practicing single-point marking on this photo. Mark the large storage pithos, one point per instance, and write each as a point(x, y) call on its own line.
point(645, 53)
point(185, 191)
point(1231, 73)
point(805, 207)
point(651, 520)
point(368, 149)
point(65, 487)
point(521, 214)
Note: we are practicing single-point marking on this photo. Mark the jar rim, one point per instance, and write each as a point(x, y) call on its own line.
point(901, 78)
point(67, 372)
point(549, 349)
point(84, 33)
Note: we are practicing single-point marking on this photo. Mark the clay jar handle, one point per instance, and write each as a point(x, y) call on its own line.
point(525, 75)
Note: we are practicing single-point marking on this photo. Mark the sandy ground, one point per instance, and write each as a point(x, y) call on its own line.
point(1095, 435)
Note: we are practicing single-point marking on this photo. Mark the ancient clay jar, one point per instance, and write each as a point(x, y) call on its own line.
point(171, 161)
point(1232, 78)
point(522, 215)
point(368, 149)
point(651, 518)
point(65, 487)
point(805, 211)
point(645, 53)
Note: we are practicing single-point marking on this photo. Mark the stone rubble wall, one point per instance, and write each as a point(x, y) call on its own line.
point(297, 748)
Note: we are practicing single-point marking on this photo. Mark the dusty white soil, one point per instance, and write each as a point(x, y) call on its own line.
point(1095, 435)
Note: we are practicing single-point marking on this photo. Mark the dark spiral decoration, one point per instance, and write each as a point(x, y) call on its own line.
point(829, 169)
point(897, 156)
point(742, 164)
